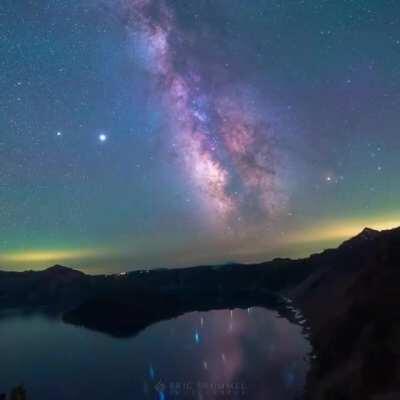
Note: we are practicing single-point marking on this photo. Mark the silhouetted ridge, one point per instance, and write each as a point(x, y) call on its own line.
point(61, 270)
point(366, 235)
point(352, 303)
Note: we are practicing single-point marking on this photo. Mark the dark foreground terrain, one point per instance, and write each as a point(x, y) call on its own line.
point(353, 306)
point(349, 295)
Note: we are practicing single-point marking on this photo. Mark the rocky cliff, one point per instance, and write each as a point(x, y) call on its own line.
point(352, 303)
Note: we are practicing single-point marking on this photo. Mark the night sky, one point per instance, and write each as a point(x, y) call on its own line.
point(145, 133)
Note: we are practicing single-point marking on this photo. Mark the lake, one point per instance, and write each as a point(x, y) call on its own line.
point(223, 354)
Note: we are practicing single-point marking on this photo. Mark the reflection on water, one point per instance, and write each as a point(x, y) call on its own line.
point(226, 354)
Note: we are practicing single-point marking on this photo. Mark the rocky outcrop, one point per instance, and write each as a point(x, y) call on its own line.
point(353, 306)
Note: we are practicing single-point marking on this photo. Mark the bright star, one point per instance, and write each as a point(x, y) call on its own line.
point(102, 137)
point(59, 133)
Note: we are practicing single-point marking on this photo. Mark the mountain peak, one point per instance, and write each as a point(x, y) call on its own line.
point(61, 270)
point(365, 235)
point(369, 231)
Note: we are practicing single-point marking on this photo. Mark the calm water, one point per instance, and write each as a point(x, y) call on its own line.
point(241, 354)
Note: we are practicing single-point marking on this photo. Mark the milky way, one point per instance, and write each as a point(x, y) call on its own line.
point(226, 148)
point(153, 133)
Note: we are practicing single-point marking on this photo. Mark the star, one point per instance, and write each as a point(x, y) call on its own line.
point(103, 137)
point(59, 133)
